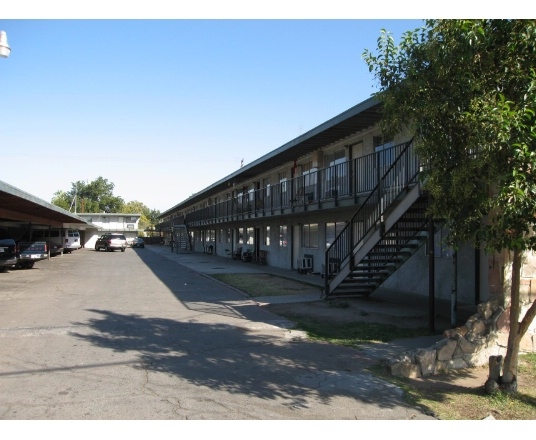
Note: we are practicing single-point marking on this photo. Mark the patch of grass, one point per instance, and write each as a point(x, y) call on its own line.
point(353, 334)
point(264, 284)
point(456, 403)
point(438, 398)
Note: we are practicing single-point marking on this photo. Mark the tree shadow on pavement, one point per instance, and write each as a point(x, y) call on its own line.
point(236, 360)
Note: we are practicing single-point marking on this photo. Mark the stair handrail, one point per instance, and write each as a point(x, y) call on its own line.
point(369, 215)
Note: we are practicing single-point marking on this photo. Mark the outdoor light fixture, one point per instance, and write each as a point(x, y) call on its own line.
point(5, 50)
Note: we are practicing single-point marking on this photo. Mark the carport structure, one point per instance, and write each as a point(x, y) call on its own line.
point(18, 209)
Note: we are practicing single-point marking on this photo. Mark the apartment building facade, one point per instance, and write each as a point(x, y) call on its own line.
point(127, 224)
point(333, 202)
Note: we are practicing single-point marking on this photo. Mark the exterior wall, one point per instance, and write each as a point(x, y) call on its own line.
point(361, 144)
point(413, 275)
point(126, 224)
point(221, 231)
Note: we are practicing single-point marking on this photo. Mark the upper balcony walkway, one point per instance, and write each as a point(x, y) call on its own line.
point(343, 185)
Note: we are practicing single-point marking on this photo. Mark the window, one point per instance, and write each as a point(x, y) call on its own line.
point(266, 186)
point(283, 181)
point(336, 172)
point(380, 143)
point(335, 158)
point(250, 238)
point(386, 154)
point(266, 236)
point(240, 234)
point(332, 231)
point(283, 236)
point(310, 178)
point(310, 236)
point(210, 235)
point(228, 236)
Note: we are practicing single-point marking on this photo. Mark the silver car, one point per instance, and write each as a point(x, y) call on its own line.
point(111, 242)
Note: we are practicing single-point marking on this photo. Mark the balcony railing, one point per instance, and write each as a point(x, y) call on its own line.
point(352, 179)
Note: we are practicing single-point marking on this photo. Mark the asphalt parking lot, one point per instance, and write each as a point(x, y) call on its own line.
point(139, 336)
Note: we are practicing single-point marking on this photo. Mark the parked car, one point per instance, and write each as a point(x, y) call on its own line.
point(30, 253)
point(8, 253)
point(138, 242)
point(52, 237)
point(71, 239)
point(111, 242)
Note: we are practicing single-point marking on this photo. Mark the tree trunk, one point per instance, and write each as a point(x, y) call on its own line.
point(508, 381)
point(514, 337)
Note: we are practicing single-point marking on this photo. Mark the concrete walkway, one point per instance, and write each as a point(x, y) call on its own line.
point(214, 264)
point(392, 302)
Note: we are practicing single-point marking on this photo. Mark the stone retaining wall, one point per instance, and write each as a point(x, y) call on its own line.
point(467, 346)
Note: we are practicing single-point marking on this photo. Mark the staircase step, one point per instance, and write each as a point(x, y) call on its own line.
point(361, 291)
point(387, 253)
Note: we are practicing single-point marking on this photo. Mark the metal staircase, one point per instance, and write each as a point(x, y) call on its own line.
point(181, 238)
point(387, 229)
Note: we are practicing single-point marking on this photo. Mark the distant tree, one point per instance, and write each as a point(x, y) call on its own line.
point(467, 90)
point(135, 207)
point(149, 217)
point(95, 196)
point(62, 199)
point(100, 193)
point(153, 216)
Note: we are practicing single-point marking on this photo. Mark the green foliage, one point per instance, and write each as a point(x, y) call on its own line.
point(353, 334)
point(62, 199)
point(466, 88)
point(149, 217)
point(97, 196)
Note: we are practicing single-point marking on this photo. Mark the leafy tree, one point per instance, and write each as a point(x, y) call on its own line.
point(149, 217)
point(95, 196)
point(467, 90)
point(62, 199)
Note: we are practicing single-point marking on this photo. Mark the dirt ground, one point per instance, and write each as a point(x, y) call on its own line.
point(388, 308)
point(457, 391)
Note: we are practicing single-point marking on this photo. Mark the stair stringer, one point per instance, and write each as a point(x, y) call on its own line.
point(181, 238)
point(389, 219)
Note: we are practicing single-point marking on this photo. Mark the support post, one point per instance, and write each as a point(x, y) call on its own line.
point(454, 294)
point(431, 275)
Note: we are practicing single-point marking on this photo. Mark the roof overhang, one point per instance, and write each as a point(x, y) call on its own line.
point(358, 118)
point(17, 205)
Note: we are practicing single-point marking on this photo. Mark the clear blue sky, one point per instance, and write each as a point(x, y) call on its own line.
point(164, 108)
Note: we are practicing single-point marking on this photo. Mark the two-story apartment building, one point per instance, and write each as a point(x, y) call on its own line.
point(339, 201)
point(126, 224)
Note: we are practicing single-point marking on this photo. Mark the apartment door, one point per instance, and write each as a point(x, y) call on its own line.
point(296, 245)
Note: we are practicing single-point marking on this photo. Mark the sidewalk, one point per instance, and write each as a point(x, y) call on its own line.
point(214, 264)
point(395, 306)
point(398, 302)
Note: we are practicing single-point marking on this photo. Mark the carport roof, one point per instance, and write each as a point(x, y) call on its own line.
point(18, 205)
point(358, 118)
